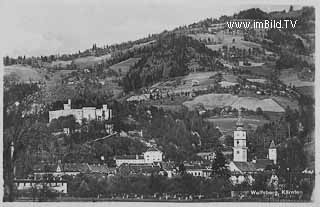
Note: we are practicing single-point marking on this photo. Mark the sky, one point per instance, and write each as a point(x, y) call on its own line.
point(42, 27)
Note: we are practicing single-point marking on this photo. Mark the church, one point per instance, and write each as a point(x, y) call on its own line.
point(241, 169)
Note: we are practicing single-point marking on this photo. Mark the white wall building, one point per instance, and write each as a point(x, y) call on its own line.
point(89, 113)
point(240, 140)
point(152, 155)
point(26, 184)
point(273, 153)
point(129, 159)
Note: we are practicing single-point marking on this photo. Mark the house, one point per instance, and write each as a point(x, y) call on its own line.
point(145, 169)
point(139, 98)
point(152, 155)
point(89, 113)
point(129, 159)
point(59, 186)
point(195, 83)
point(168, 169)
point(207, 155)
point(101, 169)
point(198, 170)
point(59, 169)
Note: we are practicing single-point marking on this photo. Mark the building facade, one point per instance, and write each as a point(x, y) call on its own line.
point(27, 184)
point(89, 113)
point(273, 152)
point(152, 155)
point(240, 139)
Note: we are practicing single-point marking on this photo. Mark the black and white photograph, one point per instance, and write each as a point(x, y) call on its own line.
point(171, 102)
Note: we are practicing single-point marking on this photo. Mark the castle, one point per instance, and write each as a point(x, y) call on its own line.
point(89, 113)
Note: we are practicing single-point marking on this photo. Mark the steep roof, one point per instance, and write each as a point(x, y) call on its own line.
point(262, 164)
point(152, 149)
point(245, 166)
point(272, 145)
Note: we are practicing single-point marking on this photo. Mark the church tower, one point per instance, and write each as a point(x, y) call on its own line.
point(240, 142)
point(273, 152)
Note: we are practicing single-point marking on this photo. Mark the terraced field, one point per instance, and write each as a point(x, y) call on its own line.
point(227, 40)
point(211, 101)
point(227, 124)
point(90, 60)
point(123, 67)
point(23, 73)
point(290, 77)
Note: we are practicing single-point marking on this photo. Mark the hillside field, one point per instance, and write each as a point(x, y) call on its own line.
point(123, 67)
point(211, 101)
point(226, 125)
point(24, 73)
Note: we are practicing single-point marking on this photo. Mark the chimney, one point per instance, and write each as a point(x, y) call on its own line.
point(69, 102)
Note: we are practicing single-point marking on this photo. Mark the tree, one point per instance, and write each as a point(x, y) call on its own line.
point(259, 111)
point(219, 166)
point(291, 8)
point(228, 140)
point(181, 169)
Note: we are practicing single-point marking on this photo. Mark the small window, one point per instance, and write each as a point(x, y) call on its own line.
point(238, 142)
point(238, 152)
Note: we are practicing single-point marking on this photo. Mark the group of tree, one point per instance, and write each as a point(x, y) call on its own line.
point(170, 57)
point(148, 186)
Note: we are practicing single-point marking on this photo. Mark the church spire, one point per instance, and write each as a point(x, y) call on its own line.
point(272, 145)
point(239, 122)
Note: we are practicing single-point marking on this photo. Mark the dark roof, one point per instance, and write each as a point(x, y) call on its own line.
point(245, 166)
point(65, 167)
point(75, 167)
point(152, 149)
point(128, 157)
point(139, 168)
point(263, 163)
point(194, 167)
point(45, 167)
point(101, 169)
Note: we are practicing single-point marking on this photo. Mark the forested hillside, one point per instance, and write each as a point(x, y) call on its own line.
point(174, 55)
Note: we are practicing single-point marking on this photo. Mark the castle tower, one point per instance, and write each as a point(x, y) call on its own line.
point(68, 105)
point(273, 152)
point(240, 142)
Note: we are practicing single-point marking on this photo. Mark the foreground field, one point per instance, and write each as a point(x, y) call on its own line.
point(211, 101)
